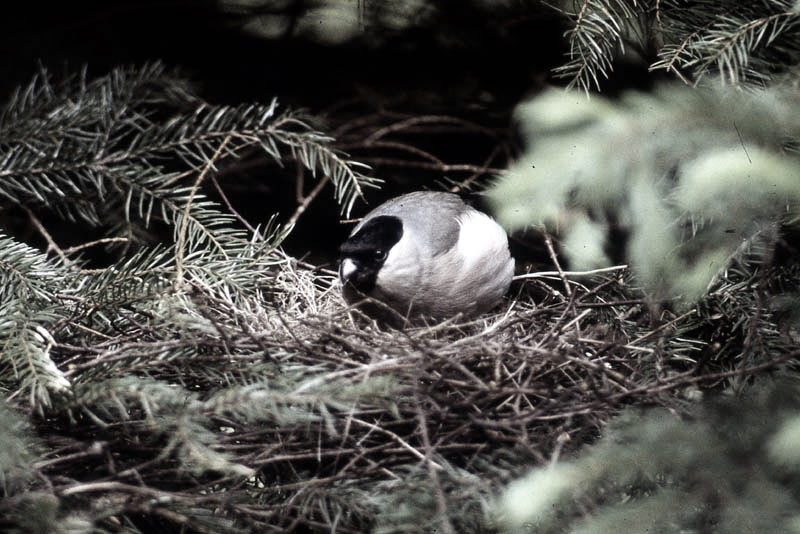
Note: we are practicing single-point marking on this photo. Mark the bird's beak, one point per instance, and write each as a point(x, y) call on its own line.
point(347, 269)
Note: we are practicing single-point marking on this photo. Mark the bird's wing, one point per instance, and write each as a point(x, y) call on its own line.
point(427, 213)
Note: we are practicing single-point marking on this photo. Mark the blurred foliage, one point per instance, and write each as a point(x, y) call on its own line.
point(678, 183)
point(374, 22)
point(17, 450)
point(731, 467)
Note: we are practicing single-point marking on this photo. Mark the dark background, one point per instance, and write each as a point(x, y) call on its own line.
point(458, 43)
point(462, 60)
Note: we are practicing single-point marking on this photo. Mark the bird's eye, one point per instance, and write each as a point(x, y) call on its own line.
point(379, 255)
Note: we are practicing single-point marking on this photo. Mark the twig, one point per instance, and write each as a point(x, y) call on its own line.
point(95, 449)
point(423, 119)
point(441, 167)
point(144, 491)
point(485, 169)
point(180, 241)
point(560, 273)
point(548, 240)
point(230, 207)
point(51, 244)
point(101, 241)
point(441, 499)
point(308, 199)
point(664, 326)
point(406, 445)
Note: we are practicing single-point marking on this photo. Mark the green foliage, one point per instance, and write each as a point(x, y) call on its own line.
point(727, 469)
point(30, 307)
point(100, 152)
point(411, 505)
point(739, 41)
point(23, 511)
point(139, 344)
point(598, 36)
point(104, 147)
point(685, 179)
point(17, 452)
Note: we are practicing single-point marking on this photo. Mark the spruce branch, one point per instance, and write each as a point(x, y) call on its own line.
point(598, 35)
point(738, 42)
point(94, 149)
point(17, 453)
point(743, 44)
point(180, 240)
point(101, 152)
point(30, 305)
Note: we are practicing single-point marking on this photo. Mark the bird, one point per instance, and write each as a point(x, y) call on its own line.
point(428, 255)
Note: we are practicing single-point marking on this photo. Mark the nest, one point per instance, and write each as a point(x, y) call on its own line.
point(320, 420)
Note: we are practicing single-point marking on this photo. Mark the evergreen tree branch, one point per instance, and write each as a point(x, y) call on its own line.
point(738, 42)
point(30, 305)
point(598, 34)
point(739, 45)
point(180, 240)
point(90, 146)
